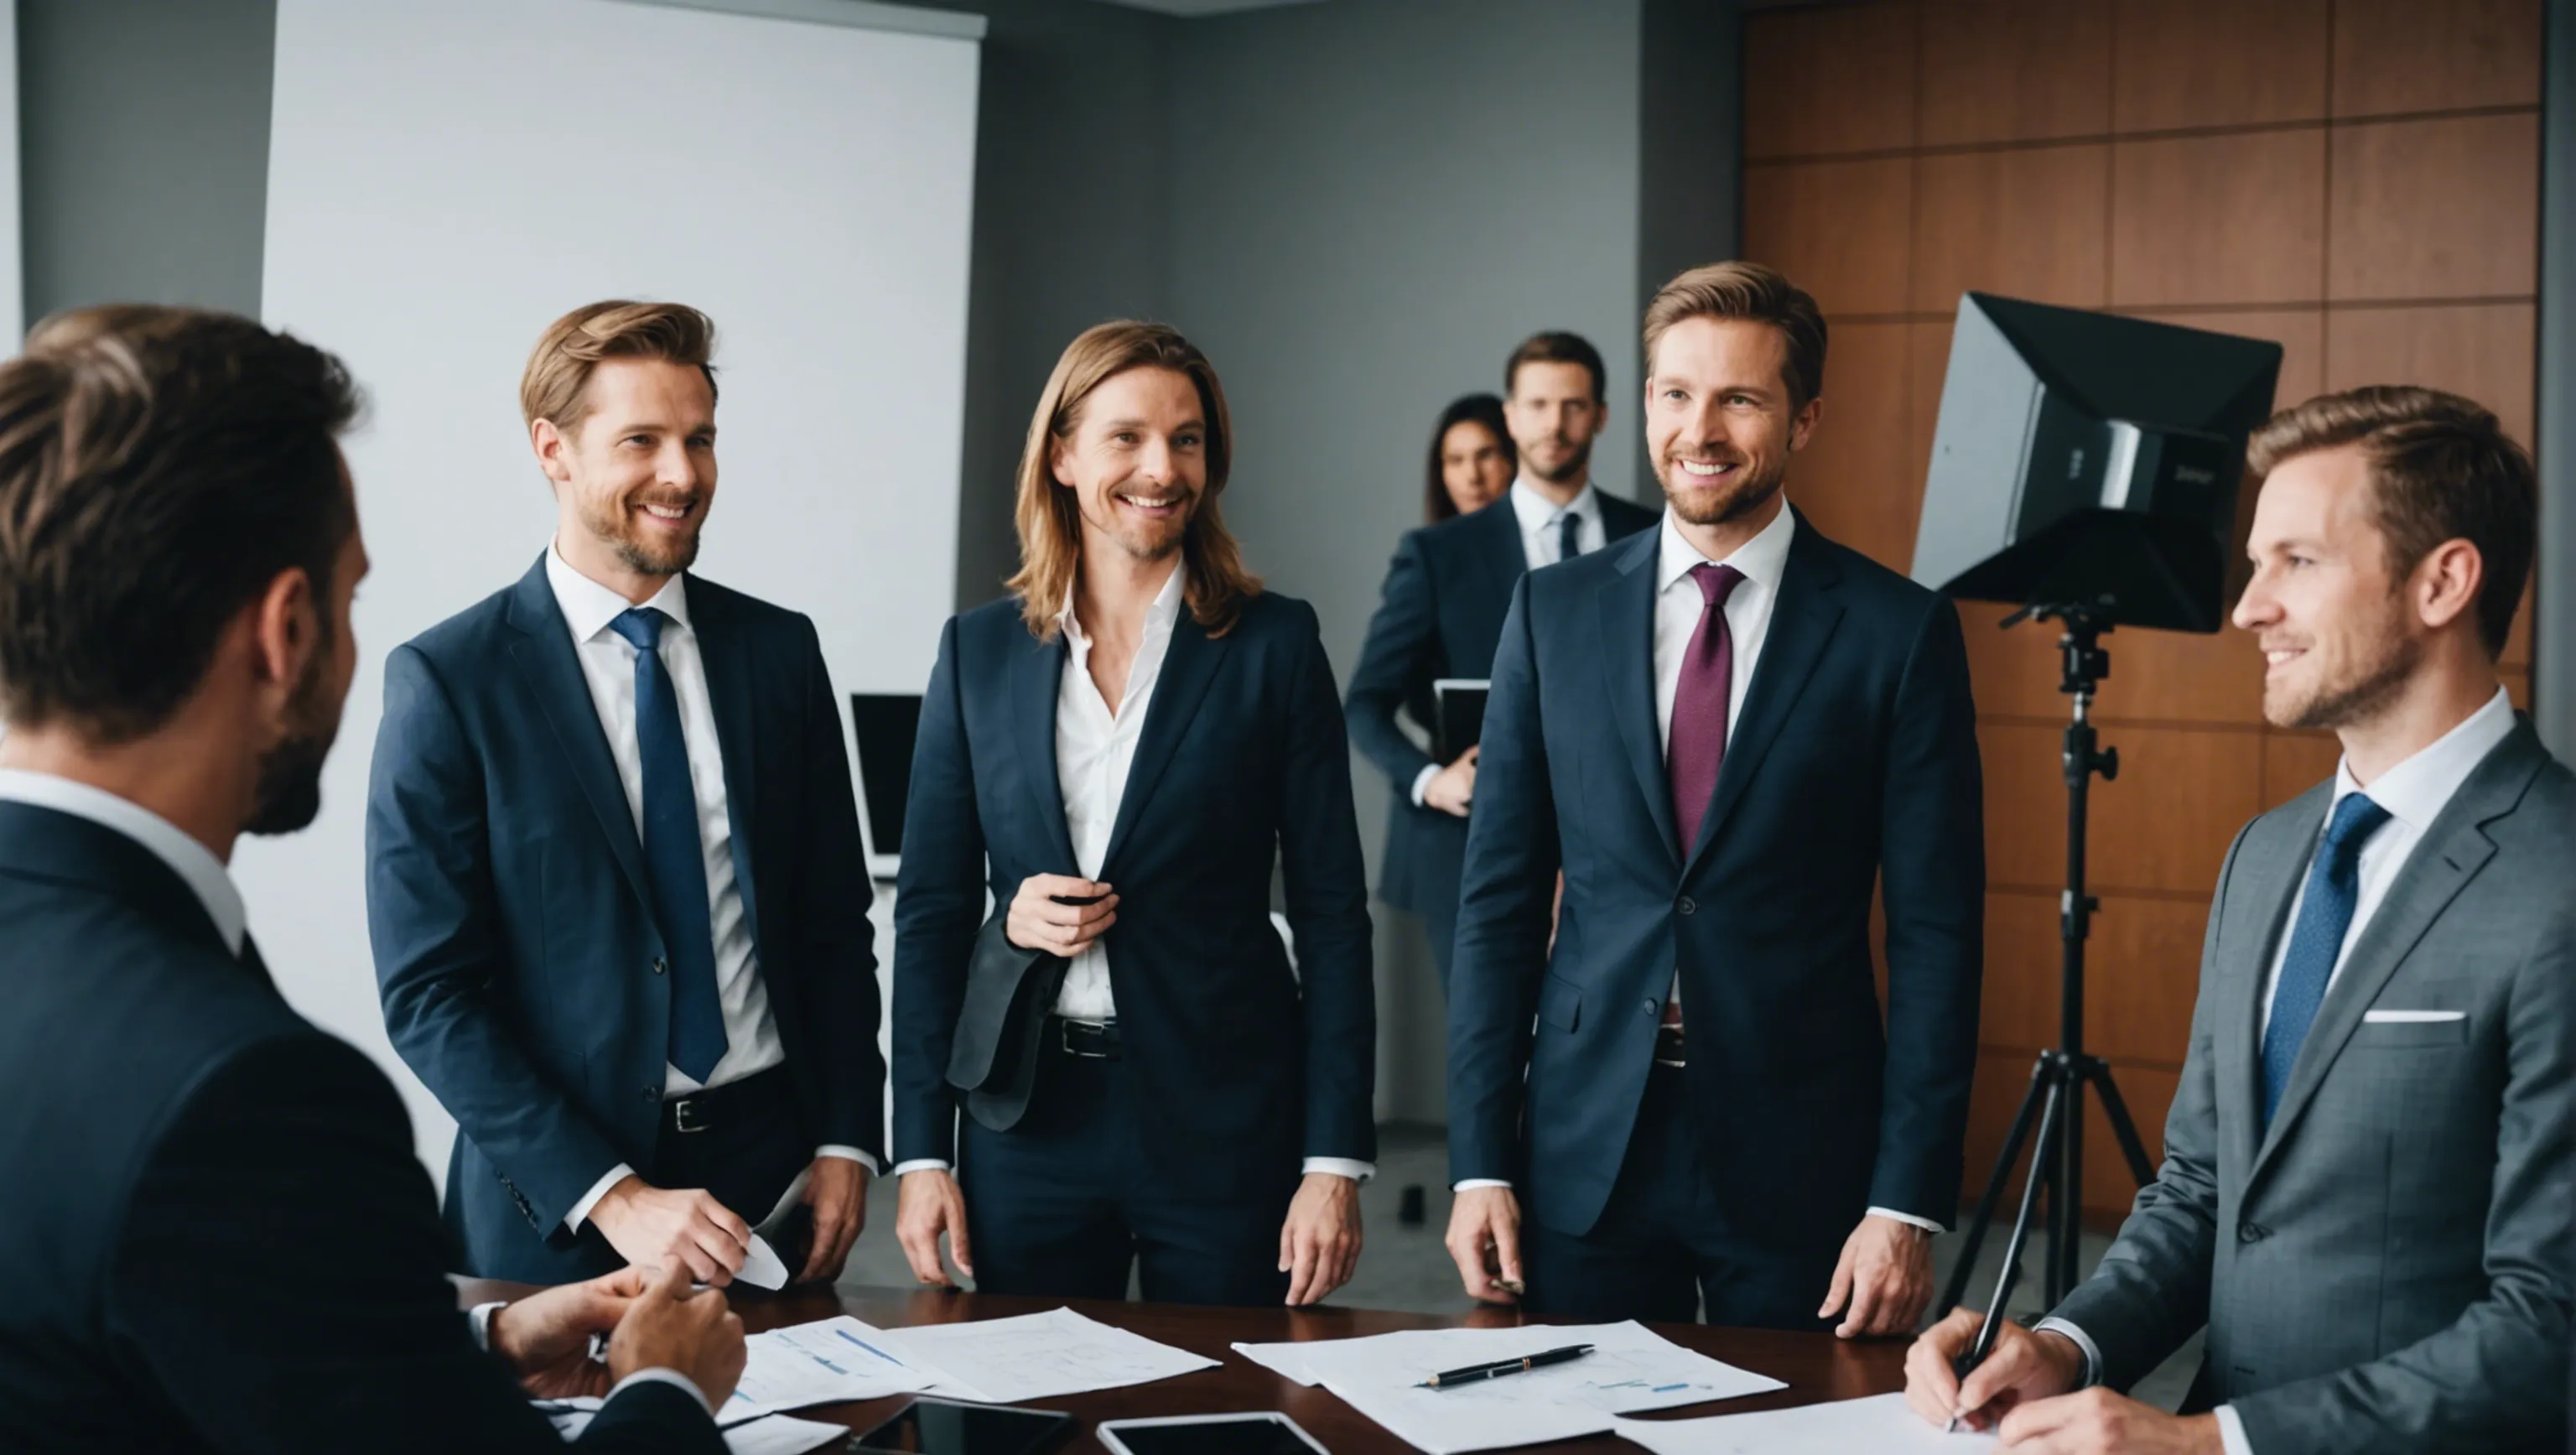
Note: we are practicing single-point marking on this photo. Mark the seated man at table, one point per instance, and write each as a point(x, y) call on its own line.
point(218, 1235)
point(2363, 1198)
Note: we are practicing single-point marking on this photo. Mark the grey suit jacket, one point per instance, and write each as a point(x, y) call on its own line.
point(2384, 1269)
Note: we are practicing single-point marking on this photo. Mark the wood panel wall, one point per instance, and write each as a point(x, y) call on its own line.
point(2356, 179)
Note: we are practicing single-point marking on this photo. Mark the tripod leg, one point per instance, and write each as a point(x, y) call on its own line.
point(2066, 1192)
point(1993, 1199)
point(2042, 1165)
point(2132, 1146)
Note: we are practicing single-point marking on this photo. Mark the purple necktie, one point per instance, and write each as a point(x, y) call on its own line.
point(1697, 742)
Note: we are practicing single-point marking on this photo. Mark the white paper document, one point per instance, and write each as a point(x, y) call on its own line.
point(824, 1362)
point(1630, 1368)
point(1034, 1356)
point(759, 1433)
point(1881, 1425)
point(761, 1265)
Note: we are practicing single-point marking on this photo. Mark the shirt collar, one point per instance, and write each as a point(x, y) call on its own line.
point(1761, 559)
point(1160, 613)
point(1536, 512)
point(589, 607)
point(2417, 790)
point(194, 863)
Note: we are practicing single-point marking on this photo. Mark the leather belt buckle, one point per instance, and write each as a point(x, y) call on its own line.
point(1088, 1040)
point(1670, 1049)
point(686, 1115)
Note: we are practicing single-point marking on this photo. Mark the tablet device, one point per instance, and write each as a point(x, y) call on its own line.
point(1461, 710)
point(1267, 1432)
point(945, 1427)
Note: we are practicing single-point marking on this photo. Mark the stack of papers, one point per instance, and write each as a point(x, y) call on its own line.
point(829, 1361)
point(1034, 1356)
point(1883, 1425)
point(1630, 1368)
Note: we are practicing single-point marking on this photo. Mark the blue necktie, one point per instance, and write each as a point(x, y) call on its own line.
point(1569, 536)
point(2325, 916)
point(675, 858)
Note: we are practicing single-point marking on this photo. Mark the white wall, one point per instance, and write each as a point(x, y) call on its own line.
point(446, 179)
point(13, 284)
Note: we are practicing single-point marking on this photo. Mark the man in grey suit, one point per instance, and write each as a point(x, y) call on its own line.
point(2364, 1193)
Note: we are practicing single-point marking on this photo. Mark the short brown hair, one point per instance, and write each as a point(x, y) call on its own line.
point(556, 386)
point(1748, 291)
point(1214, 582)
point(2441, 469)
point(159, 468)
point(1558, 347)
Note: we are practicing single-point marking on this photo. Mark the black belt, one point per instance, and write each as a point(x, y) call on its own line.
point(1085, 1040)
point(1669, 1050)
point(755, 1098)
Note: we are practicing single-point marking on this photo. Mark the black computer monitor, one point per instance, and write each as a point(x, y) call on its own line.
point(2091, 460)
point(884, 724)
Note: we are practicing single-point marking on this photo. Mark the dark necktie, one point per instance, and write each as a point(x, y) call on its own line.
point(675, 858)
point(1697, 743)
point(2316, 941)
point(1569, 536)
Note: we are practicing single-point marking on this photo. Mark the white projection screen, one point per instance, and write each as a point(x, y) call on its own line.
point(445, 179)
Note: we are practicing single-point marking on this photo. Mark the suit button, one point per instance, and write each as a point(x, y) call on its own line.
point(1687, 905)
point(1653, 1006)
point(660, 965)
point(652, 1093)
point(2252, 1232)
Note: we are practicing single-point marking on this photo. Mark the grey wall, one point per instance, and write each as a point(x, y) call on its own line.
point(143, 129)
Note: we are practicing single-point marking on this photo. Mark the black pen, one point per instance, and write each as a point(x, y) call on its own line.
point(1976, 1355)
point(1501, 1367)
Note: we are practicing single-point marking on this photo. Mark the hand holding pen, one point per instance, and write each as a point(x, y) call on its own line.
point(1967, 1371)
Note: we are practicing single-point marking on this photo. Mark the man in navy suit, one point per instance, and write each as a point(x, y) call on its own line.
point(1119, 752)
point(1724, 732)
point(1441, 611)
point(613, 868)
point(219, 1238)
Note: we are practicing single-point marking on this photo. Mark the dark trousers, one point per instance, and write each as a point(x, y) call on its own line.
point(749, 1146)
point(1061, 1205)
point(1662, 1247)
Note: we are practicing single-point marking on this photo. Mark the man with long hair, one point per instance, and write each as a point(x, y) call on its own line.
point(1118, 752)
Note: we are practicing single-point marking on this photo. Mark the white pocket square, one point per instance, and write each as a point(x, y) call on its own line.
point(2410, 1017)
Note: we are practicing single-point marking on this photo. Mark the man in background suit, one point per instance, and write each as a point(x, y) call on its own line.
point(2364, 1192)
point(219, 1238)
point(613, 866)
point(1441, 611)
point(1725, 732)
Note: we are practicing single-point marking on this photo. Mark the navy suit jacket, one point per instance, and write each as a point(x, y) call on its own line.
point(218, 1236)
point(1245, 1066)
point(515, 943)
point(1439, 615)
point(1853, 761)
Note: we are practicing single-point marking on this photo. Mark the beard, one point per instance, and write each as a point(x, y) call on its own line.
point(1698, 504)
point(614, 527)
point(289, 792)
point(1578, 458)
point(2375, 680)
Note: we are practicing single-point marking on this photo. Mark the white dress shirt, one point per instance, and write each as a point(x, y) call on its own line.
point(608, 669)
point(207, 878)
point(2414, 792)
point(1095, 746)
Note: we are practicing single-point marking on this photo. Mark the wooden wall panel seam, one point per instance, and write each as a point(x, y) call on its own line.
point(2169, 133)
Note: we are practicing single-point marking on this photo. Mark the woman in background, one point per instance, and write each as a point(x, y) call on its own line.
point(1472, 459)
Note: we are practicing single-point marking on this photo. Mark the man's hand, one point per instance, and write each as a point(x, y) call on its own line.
point(1453, 788)
point(1037, 922)
point(664, 1227)
point(1883, 1279)
point(1319, 1244)
point(1485, 1242)
point(2020, 1368)
point(836, 1188)
point(928, 1203)
point(545, 1337)
point(693, 1334)
point(2098, 1422)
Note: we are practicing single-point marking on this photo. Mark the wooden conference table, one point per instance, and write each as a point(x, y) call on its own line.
point(1817, 1366)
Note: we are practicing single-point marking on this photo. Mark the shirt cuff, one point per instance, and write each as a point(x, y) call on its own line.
point(2231, 1431)
point(580, 1213)
point(478, 1320)
point(664, 1376)
point(1422, 780)
point(2092, 1355)
point(920, 1164)
point(1909, 1219)
point(1474, 1182)
point(1355, 1170)
point(848, 1154)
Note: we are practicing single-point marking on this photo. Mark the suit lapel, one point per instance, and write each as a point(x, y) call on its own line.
point(1802, 624)
point(1189, 665)
point(1624, 608)
point(1037, 675)
point(724, 649)
point(2271, 865)
point(544, 658)
point(2453, 850)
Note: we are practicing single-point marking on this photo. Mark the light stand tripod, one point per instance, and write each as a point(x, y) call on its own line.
point(2055, 1099)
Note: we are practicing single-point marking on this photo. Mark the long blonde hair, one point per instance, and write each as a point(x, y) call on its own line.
point(1214, 582)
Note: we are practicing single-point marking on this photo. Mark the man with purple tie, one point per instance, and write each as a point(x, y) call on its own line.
point(1724, 732)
